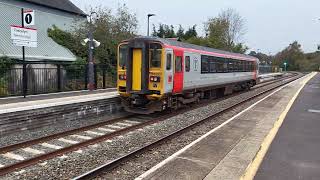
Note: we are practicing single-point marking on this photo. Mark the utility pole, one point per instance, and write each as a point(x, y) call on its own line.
point(91, 83)
point(149, 15)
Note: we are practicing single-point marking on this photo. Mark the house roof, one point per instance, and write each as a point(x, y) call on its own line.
point(62, 5)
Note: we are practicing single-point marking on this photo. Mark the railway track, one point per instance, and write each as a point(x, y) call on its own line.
point(82, 137)
point(117, 162)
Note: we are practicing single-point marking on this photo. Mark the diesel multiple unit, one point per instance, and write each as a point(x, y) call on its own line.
point(155, 74)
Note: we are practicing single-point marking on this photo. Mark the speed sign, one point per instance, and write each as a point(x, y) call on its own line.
point(28, 17)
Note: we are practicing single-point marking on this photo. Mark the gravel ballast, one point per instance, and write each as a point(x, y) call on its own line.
point(94, 156)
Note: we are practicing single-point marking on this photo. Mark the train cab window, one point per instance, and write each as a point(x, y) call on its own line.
point(123, 55)
point(178, 66)
point(155, 52)
point(169, 61)
point(187, 61)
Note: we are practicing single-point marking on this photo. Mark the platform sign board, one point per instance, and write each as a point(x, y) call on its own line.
point(28, 17)
point(22, 36)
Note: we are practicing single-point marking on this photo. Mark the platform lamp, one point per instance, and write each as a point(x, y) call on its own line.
point(91, 83)
point(149, 15)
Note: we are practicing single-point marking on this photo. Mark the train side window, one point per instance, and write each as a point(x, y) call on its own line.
point(212, 64)
point(187, 61)
point(230, 65)
point(204, 64)
point(225, 65)
point(169, 61)
point(178, 64)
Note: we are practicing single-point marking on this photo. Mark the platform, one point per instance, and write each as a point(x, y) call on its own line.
point(15, 104)
point(227, 151)
point(294, 152)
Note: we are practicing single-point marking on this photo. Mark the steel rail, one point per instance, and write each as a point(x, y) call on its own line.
point(111, 165)
point(34, 160)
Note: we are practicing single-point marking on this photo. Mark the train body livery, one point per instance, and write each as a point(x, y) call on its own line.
point(155, 74)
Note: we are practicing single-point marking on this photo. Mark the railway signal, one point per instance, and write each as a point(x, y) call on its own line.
point(285, 66)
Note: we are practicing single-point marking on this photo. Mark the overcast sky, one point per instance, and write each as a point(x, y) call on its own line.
point(271, 25)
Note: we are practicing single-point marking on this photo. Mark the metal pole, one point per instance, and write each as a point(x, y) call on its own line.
point(24, 71)
point(91, 85)
point(149, 15)
point(148, 24)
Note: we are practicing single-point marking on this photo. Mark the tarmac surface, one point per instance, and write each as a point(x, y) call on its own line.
point(18, 99)
point(295, 151)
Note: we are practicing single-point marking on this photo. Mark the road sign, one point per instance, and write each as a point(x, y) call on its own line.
point(24, 36)
point(28, 17)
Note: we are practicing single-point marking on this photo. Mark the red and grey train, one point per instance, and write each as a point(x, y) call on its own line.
point(155, 74)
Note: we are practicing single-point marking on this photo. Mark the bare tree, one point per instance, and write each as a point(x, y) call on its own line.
point(236, 26)
point(226, 31)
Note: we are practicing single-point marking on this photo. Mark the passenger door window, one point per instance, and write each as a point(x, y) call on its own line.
point(169, 61)
point(178, 66)
point(187, 61)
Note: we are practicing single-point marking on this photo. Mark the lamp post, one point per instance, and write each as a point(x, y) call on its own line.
point(91, 83)
point(149, 15)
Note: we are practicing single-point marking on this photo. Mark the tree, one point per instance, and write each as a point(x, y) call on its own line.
point(292, 55)
point(164, 31)
point(225, 31)
point(108, 28)
point(190, 33)
point(180, 32)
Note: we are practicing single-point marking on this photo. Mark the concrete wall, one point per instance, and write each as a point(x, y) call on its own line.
point(32, 119)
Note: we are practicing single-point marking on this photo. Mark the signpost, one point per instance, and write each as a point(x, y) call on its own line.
point(25, 37)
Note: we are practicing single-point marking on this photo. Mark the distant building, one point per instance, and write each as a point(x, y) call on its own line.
point(61, 13)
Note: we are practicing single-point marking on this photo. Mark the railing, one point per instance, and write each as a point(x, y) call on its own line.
point(42, 79)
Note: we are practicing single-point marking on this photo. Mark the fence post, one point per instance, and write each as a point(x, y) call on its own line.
point(104, 76)
point(86, 77)
point(59, 77)
point(95, 77)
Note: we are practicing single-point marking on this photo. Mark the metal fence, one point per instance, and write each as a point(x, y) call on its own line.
point(42, 79)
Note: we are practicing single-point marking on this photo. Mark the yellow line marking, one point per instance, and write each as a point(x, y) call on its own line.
point(255, 164)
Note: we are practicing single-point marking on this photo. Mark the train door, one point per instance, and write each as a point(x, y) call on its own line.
point(169, 71)
point(178, 71)
point(136, 69)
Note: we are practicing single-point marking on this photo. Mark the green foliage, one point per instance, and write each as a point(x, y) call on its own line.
point(164, 31)
point(296, 59)
point(6, 63)
point(68, 40)
point(222, 32)
point(108, 28)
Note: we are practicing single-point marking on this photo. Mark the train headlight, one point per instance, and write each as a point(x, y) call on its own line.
point(154, 79)
point(122, 77)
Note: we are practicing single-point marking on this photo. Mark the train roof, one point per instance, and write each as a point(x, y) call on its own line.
point(170, 42)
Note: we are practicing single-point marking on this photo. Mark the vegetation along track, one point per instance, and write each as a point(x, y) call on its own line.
point(78, 138)
point(116, 162)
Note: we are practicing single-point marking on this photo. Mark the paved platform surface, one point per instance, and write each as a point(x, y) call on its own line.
point(295, 151)
point(225, 152)
point(14, 104)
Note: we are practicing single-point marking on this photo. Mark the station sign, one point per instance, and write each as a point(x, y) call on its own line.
point(22, 36)
point(28, 18)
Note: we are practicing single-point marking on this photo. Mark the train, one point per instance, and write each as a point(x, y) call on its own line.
point(156, 74)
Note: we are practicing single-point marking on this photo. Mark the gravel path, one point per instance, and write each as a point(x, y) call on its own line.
point(74, 163)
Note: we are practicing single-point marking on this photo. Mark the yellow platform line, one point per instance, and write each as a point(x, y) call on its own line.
point(255, 164)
